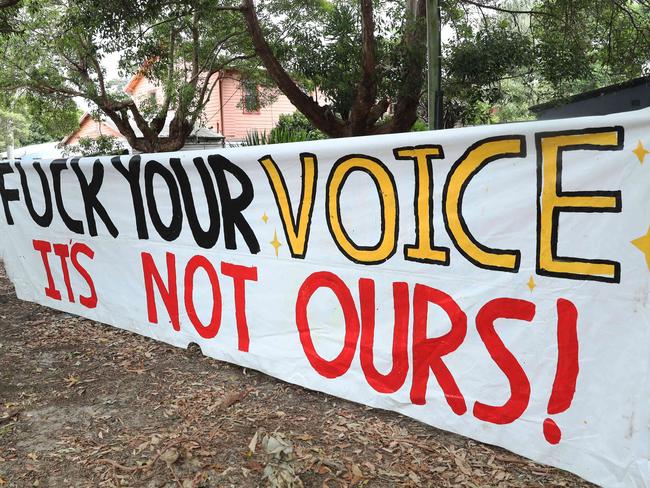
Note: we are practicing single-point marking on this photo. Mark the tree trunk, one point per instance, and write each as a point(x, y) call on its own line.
point(366, 110)
point(322, 118)
point(367, 88)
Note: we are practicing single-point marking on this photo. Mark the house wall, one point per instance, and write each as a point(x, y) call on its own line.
point(237, 122)
point(211, 112)
point(143, 88)
point(234, 123)
point(228, 118)
point(93, 129)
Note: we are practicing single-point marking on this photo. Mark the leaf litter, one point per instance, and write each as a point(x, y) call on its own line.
point(87, 405)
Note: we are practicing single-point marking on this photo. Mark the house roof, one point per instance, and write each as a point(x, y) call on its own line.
point(136, 78)
point(592, 93)
point(133, 82)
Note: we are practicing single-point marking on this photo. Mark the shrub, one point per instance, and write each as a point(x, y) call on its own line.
point(290, 128)
point(101, 146)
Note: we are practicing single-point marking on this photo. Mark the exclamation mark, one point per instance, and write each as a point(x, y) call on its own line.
point(566, 374)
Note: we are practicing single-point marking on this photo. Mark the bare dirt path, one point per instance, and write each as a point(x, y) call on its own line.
point(84, 404)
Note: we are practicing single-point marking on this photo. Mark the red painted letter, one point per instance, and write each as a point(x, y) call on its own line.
point(45, 248)
point(393, 381)
point(61, 250)
point(428, 353)
point(239, 275)
point(168, 294)
point(80, 248)
point(206, 331)
point(340, 364)
point(504, 308)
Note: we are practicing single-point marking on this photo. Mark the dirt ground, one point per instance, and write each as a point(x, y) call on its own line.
point(84, 404)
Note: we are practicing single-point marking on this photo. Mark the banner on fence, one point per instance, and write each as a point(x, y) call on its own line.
point(491, 281)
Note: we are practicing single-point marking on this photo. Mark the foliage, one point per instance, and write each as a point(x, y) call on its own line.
point(8, 9)
point(503, 57)
point(102, 145)
point(298, 122)
point(262, 138)
point(181, 45)
point(361, 59)
point(326, 52)
point(290, 128)
point(50, 119)
point(578, 41)
point(498, 56)
point(362, 56)
point(35, 119)
point(12, 125)
point(419, 126)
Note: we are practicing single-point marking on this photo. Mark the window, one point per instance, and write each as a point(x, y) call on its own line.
point(250, 97)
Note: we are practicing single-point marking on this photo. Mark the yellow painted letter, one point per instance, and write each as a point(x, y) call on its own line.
point(423, 250)
point(552, 201)
point(296, 229)
point(469, 164)
point(387, 190)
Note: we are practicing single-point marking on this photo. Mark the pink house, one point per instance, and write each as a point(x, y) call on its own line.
point(225, 116)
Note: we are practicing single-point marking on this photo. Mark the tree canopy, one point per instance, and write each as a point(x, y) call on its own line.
point(362, 57)
point(514, 54)
point(352, 67)
point(368, 56)
point(35, 119)
point(183, 46)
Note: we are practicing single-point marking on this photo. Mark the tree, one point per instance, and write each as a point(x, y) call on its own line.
point(12, 125)
point(30, 119)
point(362, 61)
point(8, 10)
point(554, 48)
point(49, 118)
point(366, 56)
point(184, 46)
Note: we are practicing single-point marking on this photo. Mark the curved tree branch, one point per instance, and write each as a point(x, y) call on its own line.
point(408, 98)
point(321, 117)
point(505, 10)
point(367, 88)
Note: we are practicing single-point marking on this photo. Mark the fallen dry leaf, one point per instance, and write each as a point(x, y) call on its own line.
point(170, 456)
point(253, 443)
point(147, 397)
point(463, 465)
point(357, 474)
point(232, 398)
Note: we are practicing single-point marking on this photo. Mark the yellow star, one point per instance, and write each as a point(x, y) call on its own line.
point(275, 243)
point(265, 218)
point(641, 152)
point(531, 284)
point(643, 245)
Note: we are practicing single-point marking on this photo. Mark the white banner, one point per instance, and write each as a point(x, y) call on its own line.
point(490, 281)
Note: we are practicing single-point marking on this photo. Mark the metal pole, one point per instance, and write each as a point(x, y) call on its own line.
point(434, 95)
